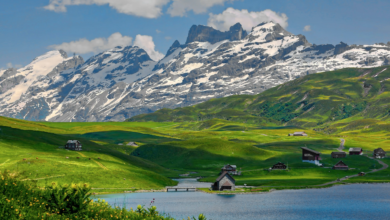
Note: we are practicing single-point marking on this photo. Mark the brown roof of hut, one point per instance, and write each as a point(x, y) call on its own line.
point(340, 165)
point(379, 150)
point(313, 151)
point(338, 154)
point(224, 174)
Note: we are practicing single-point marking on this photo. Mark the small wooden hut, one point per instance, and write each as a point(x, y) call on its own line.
point(338, 154)
point(340, 166)
point(73, 145)
point(298, 133)
point(231, 169)
point(224, 182)
point(311, 156)
point(279, 166)
point(379, 153)
point(355, 151)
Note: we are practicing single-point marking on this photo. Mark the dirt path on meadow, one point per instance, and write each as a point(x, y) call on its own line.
point(342, 143)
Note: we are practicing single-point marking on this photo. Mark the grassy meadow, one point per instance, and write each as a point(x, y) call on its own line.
point(168, 149)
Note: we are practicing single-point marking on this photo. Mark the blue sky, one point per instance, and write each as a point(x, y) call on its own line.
point(30, 28)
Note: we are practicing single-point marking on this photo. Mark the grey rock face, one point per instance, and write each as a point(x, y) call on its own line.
point(120, 83)
point(202, 33)
point(340, 48)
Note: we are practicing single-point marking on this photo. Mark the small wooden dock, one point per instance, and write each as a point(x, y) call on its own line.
point(170, 189)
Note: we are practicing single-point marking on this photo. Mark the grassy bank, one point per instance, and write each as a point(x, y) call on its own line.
point(21, 200)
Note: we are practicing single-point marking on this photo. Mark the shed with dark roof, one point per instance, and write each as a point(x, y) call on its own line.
point(311, 156)
point(379, 153)
point(224, 182)
point(355, 151)
point(73, 145)
point(298, 133)
point(338, 154)
point(279, 166)
point(340, 166)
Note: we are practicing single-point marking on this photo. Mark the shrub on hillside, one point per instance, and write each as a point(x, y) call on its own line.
point(24, 200)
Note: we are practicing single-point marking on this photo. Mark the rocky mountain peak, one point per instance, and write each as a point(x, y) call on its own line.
point(174, 46)
point(63, 54)
point(203, 33)
point(269, 31)
point(340, 48)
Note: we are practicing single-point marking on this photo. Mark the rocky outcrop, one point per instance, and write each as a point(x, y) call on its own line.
point(340, 48)
point(202, 33)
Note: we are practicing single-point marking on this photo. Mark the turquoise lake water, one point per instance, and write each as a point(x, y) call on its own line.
point(358, 201)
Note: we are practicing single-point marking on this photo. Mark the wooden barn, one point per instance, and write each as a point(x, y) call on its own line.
point(379, 153)
point(298, 133)
point(231, 169)
point(340, 166)
point(355, 151)
point(311, 156)
point(279, 166)
point(73, 145)
point(338, 154)
point(224, 182)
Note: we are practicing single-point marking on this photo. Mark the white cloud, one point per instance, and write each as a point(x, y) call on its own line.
point(181, 7)
point(158, 31)
point(96, 45)
point(84, 46)
point(231, 16)
point(16, 66)
point(307, 28)
point(146, 42)
point(141, 8)
point(168, 38)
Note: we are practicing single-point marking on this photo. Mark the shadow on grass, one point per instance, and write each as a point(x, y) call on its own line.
point(295, 146)
point(279, 128)
point(122, 136)
point(181, 158)
point(48, 143)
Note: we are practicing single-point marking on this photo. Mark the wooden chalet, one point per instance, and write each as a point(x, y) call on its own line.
point(311, 156)
point(279, 166)
point(379, 153)
point(340, 166)
point(231, 169)
point(73, 145)
point(355, 151)
point(338, 154)
point(298, 133)
point(224, 182)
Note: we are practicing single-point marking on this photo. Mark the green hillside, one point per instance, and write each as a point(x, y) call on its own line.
point(33, 152)
point(315, 100)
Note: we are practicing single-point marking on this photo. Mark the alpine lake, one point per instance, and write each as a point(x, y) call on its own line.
point(355, 201)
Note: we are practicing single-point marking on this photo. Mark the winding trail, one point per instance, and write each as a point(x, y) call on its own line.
point(43, 178)
point(342, 143)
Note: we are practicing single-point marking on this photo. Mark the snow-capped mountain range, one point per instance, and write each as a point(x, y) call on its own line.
point(125, 81)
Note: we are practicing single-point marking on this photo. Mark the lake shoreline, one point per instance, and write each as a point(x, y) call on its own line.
point(237, 193)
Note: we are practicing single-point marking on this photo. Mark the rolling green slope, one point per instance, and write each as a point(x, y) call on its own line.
point(315, 100)
point(35, 154)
